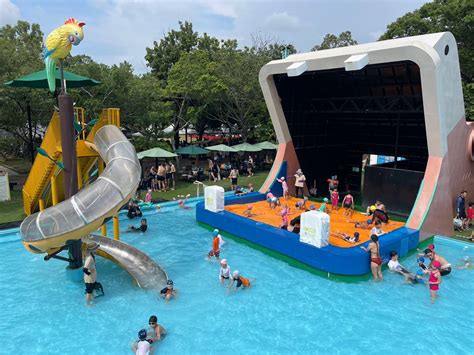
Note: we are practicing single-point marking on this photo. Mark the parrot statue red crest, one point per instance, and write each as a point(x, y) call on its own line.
point(58, 46)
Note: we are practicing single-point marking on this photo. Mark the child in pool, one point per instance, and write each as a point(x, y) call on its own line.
point(284, 186)
point(216, 249)
point(334, 200)
point(465, 264)
point(148, 196)
point(434, 280)
point(168, 292)
point(142, 228)
point(240, 281)
point(182, 203)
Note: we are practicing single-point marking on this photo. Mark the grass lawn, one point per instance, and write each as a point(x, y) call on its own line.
point(184, 188)
point(12, 211)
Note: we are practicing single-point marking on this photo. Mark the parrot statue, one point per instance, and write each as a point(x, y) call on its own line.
point(58, 45)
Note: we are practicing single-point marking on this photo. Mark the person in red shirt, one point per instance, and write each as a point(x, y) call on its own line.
point(215, 251)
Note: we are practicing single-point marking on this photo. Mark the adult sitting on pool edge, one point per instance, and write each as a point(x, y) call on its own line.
point(445, 268)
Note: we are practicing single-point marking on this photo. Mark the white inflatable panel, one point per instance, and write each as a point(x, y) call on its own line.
point(214, 198)
point(314, 228)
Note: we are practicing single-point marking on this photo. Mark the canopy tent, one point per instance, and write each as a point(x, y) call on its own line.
point(266, 145)
point(222, 148)
point(38, 80)
point(156, 153)
point(246, 147)
point(192, 150)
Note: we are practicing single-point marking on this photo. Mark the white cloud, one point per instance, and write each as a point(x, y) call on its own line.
point(9, 13)
point(279, 21)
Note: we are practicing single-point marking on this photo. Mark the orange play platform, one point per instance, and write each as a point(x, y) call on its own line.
point(262, 212)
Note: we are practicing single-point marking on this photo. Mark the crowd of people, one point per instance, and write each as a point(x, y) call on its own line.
point(160, 178)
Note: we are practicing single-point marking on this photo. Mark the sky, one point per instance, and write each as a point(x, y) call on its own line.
point(118, 30)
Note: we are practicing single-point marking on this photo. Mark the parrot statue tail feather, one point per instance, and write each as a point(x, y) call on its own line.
point(50, 64)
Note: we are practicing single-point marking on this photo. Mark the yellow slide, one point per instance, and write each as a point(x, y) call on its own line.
point(45, 181)
point(83, 213)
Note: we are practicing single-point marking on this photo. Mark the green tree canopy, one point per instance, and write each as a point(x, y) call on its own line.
point(332, 41)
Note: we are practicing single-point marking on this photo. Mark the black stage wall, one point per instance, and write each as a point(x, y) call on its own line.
point(397, 189)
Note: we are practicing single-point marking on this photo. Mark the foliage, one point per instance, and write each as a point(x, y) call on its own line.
point(332, 41)
point(9, 147)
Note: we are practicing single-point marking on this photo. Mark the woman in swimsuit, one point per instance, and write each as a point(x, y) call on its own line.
point(348, 204)
point(435, 279)
point(375, 259)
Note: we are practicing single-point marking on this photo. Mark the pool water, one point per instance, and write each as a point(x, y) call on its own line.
point(288, 311)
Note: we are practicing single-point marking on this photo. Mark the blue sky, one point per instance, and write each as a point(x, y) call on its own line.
point(118, 30)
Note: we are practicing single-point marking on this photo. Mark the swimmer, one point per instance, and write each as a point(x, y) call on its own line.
point(284, 186)
point(465, 264)
point(435, 279)
point(395, 266)
point(224, 272)
point(182, 203)
point(421, 263)
point(301, 204)
point(142, 345)
point(142, 228)
point(156, 332)
point(346, 237)
point(240, 281)
point(215, 251)
point(323, 207)
point(158, 208)
point(168, 292)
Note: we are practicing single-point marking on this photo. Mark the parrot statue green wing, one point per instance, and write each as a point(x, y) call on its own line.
point(58, 46)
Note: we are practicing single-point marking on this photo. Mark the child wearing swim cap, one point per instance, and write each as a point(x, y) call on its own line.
point(435, 279)
point(239, 281)
point(284, 186)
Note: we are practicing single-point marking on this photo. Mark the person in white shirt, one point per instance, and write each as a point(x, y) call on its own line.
point(142, 345)
point(224, 272)
point(299, 182)
point(90, 273)
point(377, 229)
point(395, 266)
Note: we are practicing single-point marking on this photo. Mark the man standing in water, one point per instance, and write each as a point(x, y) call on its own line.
point(90, 273)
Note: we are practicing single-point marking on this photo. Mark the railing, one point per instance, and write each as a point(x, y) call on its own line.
point(198, 184)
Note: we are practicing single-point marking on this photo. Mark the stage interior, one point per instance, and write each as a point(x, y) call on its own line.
point(263, 213)
point(335, 117)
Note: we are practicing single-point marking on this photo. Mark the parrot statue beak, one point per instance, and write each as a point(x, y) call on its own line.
point(74, 40)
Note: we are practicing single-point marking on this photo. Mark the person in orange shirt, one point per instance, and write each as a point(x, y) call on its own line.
point(215, 251)
point(239, 280)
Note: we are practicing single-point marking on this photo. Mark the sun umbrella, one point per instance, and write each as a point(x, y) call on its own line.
point(192, 150)
point(246, 147)
point(266, 145)
point(156, 153)
point(222, 148)
point(38, 80)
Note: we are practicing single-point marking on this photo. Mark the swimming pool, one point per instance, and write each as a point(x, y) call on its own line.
point(288, 311)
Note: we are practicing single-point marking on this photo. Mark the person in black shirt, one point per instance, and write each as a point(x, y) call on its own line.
point(142, 228)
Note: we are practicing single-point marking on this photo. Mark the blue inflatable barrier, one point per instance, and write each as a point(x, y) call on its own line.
point(332, 259)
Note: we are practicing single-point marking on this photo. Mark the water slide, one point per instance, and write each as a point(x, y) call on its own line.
point(140, 266)
point(49, 230)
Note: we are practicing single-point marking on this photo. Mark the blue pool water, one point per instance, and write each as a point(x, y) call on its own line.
point(288, 311)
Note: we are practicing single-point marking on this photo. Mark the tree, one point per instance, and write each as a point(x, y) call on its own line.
point(192, 82)
point(20, 54)
point(455, 16)
point(332, 41)
point(164, 54)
